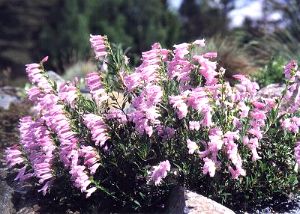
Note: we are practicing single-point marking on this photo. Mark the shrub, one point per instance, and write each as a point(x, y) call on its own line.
point(175, 122)
point(271, 73)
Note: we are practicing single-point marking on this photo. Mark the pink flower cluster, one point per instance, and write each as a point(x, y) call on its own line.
point(98, 128)
point(38, 77)
point(99, 45)
point(243, 102)
point(159, 172)
point(145, 113)
point(290, 70)
point(39, 148)
point(148, 71)
point(117, 114)
point(37, 145)
point(93, 81)
point(218, 142)
point(291, 124)
point(180, 67)
point(213, 118)
point(196, 99)
point(68, 93)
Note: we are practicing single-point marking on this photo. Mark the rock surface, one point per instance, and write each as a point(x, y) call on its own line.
point(9, 95)
point(188, 202)
point(55, 77)
point(6, 194)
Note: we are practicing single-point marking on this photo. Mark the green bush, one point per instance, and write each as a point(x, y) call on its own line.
point(271, 73)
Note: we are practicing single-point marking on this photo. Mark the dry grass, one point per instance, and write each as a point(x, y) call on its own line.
point(234, 57)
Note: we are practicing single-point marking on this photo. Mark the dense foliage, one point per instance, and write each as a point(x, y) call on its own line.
point(271, 73)
point(172, 120)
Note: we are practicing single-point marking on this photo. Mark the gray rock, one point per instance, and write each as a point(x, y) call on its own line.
point(185, 201)
point(6, 100)
point(9, 95)
point(6, 192)
point(55, 77)
point(26, 210)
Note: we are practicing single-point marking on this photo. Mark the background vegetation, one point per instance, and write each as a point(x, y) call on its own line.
point(60, 29)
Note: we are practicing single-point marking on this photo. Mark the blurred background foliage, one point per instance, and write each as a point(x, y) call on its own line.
point(60, 28)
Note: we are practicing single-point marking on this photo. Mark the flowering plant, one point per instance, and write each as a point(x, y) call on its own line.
point(171, 120)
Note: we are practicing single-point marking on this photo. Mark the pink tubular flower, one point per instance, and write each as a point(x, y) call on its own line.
point(90, 191)
point(151, 64)
point(14, 156)
point(245, 89)
point(215, 140)
point(180, 69)
point(207, 116)
point(245, 140)
point(192, 146)
point(68, 93)
point(141, 123)
point(46, 186)
point(148, 72)
point(271, 103)
point(258, 117)
point(117, 114)
point(181, 50)
point(57, 120)
point(145, 113)
point(93, 82)
point(256, 132)
point(43, 156)
point(253, 145)
point(232, 152)
point(80, 178)
point(27, 143)
point(91, 158)
point(97, 127)
point(259, 105)
point(289, 69)
point(194, 125)
point(37, 76)
point(132, 81)
point(209, 167)
point(244, 109)
point(34, 94)
point(99, 44)
point(178, 102)
point(39, 148)
point(159, 172)
point(198, 99)
point(22, 176)
point(291, 124)
point(235, 173)
point(207, 69)
point(231, 149)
